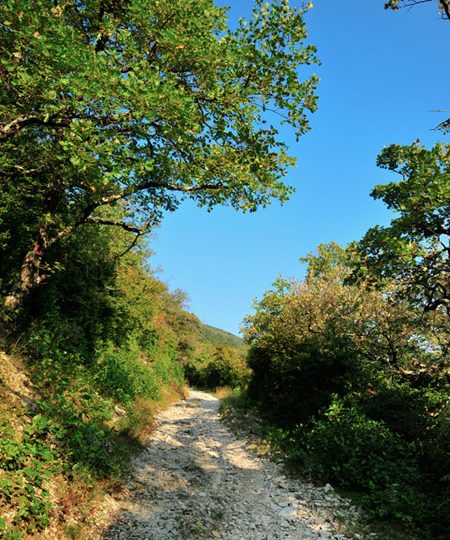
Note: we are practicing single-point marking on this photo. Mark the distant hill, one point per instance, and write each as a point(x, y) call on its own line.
point(216, 336)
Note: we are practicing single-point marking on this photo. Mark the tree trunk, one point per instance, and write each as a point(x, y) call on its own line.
point(30, 273)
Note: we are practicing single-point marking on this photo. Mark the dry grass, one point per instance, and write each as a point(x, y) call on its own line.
point(223, 392)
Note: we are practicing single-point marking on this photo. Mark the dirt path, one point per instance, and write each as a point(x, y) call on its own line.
point(197, 480)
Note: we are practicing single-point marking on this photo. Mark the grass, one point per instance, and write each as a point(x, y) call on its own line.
point(223, 392)
point(140, 420)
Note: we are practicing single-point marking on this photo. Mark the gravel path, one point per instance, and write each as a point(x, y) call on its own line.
point(198, 480)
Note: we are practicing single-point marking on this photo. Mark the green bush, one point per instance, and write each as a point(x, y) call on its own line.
point(216, 366)
point(419, 416)
point(124, 373)
point(88, 444)
point(296, 383)
point(352, 451)
point(167, 368)
point(410, 412)
point(27, 463)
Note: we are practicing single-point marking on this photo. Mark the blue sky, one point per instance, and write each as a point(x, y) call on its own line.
point(382, 74)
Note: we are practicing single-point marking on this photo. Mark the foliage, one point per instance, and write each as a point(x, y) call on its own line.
point(105, 331)
point(216, 366)
point(322, 337)
point(27, 464)
point(415, 248)
point(351, 450)
point(141, 103)
point(126, 374)
point(330, 260)
point(350, 377)
point(92, 346)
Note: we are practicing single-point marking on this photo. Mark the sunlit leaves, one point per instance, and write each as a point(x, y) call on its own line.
point(114, 88)
point(415, 248)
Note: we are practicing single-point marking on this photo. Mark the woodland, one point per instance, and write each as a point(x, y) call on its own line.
point(112, 113)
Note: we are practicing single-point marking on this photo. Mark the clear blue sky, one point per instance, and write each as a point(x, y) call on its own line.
point(382, 74)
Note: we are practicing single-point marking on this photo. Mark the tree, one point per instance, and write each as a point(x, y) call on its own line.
point(443, 5)
point(415, 249)
point(140, 104)
point(330, 260)
point(310, 340)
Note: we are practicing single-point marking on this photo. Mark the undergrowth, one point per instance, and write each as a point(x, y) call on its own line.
point(310, 455)
point(57, 463)
point(28, 461)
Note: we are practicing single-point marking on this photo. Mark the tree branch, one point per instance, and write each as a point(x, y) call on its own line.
point(150, 184)
point(121, 224)
point(445, 7)
point(22, 121)
point(131, 246)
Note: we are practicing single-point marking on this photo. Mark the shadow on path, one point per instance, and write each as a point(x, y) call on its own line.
point(197, 480)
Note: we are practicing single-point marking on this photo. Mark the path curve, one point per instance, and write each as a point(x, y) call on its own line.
point(198, 480)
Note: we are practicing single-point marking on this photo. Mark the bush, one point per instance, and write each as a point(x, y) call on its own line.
point(293, 385)
point(353, 451)
point(217, 366)
point(421, 417)
point(27, 463)
point(124, 374)
point(410, 412)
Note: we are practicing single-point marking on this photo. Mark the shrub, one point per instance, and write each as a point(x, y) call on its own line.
point(85, 439)
point(353, 451)
point(27, 463)
point(124, 374)
point(420, 416)
point(217, 366)
point(295, 384)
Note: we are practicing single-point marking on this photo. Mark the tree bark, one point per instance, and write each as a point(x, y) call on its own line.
point(30, 272)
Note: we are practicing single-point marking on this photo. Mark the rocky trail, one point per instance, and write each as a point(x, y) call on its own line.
point(198, 480)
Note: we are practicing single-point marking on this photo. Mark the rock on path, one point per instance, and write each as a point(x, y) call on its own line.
point(197, 480)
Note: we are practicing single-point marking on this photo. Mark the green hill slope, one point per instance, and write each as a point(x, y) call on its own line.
point(216, 336)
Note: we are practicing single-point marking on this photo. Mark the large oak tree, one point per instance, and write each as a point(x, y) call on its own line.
point(139, 104)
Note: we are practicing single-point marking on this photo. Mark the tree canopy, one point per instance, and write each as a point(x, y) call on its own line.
point(415, 248)
point(141, 104)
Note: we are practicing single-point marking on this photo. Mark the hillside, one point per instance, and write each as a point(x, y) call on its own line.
point(216, 336)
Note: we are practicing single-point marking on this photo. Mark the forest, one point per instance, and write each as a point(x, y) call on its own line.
point(112, 114)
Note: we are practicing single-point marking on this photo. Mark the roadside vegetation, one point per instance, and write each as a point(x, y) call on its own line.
point(350, 367)
point(83, 374)
point(92, 365)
